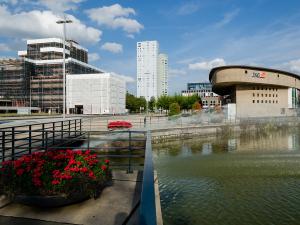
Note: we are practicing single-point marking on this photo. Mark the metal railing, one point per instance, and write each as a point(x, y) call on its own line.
point(25, 139)
point(17, 141)
point(147, 211)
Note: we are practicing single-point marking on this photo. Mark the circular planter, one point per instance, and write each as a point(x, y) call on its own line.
point(50, 201)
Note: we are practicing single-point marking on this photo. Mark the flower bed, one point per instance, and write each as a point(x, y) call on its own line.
point(64, 173)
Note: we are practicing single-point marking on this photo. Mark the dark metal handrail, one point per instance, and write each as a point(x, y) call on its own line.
point(147, 205)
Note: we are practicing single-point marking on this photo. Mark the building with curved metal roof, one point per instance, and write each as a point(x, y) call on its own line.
point(250, 91)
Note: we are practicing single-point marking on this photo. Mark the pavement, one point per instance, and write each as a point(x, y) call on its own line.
point(113, 207)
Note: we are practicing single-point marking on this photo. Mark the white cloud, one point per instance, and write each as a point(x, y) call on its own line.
point(112, 47)
point(126, 78)
point(176, 72)
point(130, 36)
point(293, 65)
point(115, 16)
point(60, 5)
point(4, 47)
point(94, 57)
point(188, 8)
point(39, 24)
point(207, 65)
point(228, 17)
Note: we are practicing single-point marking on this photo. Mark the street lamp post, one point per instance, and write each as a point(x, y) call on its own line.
point(64, 21)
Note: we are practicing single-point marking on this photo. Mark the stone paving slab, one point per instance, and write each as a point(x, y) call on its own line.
point(111, 208)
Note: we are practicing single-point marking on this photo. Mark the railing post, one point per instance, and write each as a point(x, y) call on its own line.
point(3, 146)
point(62, 130)
point(13, 143)
point(80, 124)
point(75, 127)
point(53, 133)
point(30, 141)
point(130, 153)
point(88, 144)
point(43, 135)
point(69, 128)
point(46, 147)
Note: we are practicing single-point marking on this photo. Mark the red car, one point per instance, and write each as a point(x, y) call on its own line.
point(119, 125)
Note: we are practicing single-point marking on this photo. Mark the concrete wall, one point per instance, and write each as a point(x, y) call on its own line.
point(232, 76)
point(267, 102)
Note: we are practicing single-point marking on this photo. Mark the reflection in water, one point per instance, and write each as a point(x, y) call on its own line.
point(252, 178)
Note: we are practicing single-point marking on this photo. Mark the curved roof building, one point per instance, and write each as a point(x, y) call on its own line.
point(256, 91)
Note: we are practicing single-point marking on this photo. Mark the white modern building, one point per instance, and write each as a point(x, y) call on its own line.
point(162, 78)
point(102, 93)
point(151, 77)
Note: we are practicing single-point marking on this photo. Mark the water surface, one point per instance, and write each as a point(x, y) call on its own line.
point(252, 178)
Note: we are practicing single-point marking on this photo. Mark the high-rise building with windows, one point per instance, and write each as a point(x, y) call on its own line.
point(162, 78)
point(152, 76)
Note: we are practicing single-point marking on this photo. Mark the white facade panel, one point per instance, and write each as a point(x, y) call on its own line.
point(97, 93)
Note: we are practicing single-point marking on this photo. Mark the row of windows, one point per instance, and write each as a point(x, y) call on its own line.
point(266, 95)
point(264, 88)
point(265, 101)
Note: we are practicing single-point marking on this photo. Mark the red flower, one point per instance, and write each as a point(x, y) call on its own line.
point(55, 182)
point(20, 172)
point(106, 161)
point(91, 175)
point(84, 169)
point(103, 167)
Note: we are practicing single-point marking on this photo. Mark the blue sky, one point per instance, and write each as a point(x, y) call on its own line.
point(196, 34)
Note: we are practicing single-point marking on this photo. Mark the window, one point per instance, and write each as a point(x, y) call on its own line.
point(257, 101)
point(262, 95)
point(246, 71)
point(269, 101)
point(257, 95)
point(269, 95)
point(262, 101)
point(276, 101)
point(266, 95)
point(253, 101)
point(266, 101)
point(273, 101)
point(253, 94)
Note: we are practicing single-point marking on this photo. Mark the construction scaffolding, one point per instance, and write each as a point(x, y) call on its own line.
point(37, 76)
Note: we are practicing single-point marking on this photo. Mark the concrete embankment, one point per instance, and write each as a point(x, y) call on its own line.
point(189, 131)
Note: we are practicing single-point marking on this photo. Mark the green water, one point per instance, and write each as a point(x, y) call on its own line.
point(253, 178)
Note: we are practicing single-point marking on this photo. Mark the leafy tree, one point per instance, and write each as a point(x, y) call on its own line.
point(196, 106)
point(152, 103)
point(163, 102)
point(133, 104)
point(174, 109)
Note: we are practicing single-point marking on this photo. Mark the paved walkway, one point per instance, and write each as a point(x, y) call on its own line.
point(111, 208)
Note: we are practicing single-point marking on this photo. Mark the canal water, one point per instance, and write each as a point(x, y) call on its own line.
point(248, 178)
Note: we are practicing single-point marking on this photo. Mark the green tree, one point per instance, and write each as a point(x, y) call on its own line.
point(134, 104)
point(196, 106)
point(174, 109)
point(163, 102)
point(152, 104)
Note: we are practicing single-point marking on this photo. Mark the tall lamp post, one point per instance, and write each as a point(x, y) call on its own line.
point(64, 21)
